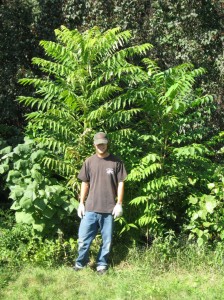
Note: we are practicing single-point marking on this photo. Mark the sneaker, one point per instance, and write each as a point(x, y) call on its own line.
point(102, 271)
point(76, 268)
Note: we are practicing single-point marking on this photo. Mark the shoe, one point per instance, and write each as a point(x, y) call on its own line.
point(102, 272)
point(75, 268)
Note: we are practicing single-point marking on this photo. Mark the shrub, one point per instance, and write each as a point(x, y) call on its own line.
point(19, 245)
point(39, 199)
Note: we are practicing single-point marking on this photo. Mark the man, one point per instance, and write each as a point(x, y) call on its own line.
point(102, 176)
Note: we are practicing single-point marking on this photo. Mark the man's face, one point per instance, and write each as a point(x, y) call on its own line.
point(101, 148)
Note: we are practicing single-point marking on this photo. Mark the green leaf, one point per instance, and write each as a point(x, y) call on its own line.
point(15, 206)
point(30, 192)
point(38, 226)
point(5, 151)
point(40, 204)
point(207, 224)
point(21, 164)
point(200, 241)
point(193, 200)
point(37, 155)
point(222, 235)
point(53, 190)
point(25, 202)
point(37, 176)
point(16, 192)
point(194, 216)
point(3, 168)
point(192, 181)
point(211, 186)
point(23, 148)
point(210, 205)
point(48, 212)
point(202, 213)
point(24, 217)
point(13, 175)
point(132, 225)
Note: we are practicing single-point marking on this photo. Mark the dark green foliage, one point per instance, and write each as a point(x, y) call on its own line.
point(49, 15)
point(131, 15)
point(16, 42)
point(191, 31)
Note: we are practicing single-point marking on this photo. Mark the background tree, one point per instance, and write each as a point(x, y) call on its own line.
point(191, 31)
point(16, 42)
point(23, 23)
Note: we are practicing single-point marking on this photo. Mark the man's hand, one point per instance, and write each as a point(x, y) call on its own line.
point(81, 210)
point(117, 211)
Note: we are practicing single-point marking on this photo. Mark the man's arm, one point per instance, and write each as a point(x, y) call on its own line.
point(84, 191)
point(83, 194)
point(118, 210)
point(120, 192)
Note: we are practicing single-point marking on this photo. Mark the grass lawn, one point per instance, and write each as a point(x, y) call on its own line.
point(136, 277)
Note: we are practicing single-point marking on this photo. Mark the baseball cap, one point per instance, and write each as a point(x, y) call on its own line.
point(100, 138)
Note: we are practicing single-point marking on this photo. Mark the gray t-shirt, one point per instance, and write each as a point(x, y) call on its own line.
point(103, 175)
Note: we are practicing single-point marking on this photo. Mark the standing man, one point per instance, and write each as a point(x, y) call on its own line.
point(102, 176)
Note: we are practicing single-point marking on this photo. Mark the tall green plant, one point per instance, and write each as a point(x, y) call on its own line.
point(176, 159)
point(86, 72)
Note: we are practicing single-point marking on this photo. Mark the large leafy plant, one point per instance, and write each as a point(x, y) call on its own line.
point(206, 212)
point(39, 199)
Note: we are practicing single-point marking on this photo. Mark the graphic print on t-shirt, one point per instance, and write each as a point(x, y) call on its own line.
point(109, 171)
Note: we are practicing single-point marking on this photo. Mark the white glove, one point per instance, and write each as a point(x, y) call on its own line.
point(117, 211)
point(81, 210)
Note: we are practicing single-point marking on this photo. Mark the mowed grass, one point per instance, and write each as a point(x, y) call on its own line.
point(136, 277)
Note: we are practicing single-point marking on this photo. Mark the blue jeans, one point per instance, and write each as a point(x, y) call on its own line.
point(90, 224)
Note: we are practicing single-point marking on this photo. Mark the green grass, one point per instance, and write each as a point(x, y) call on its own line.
point(141, 275)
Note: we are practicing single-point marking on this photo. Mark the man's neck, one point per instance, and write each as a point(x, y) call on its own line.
point(103, 155)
